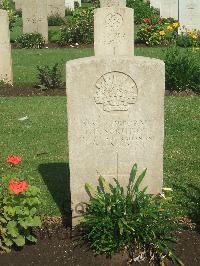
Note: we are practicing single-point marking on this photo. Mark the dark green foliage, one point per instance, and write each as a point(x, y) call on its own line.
point(8, 5)
point(80, 29)
point(142, 10)
point(184, 41)
point(182, 69)
point(141, 222)
point(68, 12)
point(55, 20)
point(30, 40)
point(50, 77)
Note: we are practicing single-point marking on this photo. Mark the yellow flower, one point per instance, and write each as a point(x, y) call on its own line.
point(162, 33)
point(190, 32)
point(176, 24)
point(170, 28)
point(194, 36)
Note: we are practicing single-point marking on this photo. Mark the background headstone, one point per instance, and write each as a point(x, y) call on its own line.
point(18, 4)
point(110, 3)
point(155, 3)
point(169, 9)
point(115, 115)
point(34, 15)
point(69, 4)
point(5, 49)
point(189, 14)
point(56, 7)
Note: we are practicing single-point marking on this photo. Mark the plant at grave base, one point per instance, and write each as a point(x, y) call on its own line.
point(55, 20)
point(8, 6)
point(80, 28)
point(157, 31)
point(182, 68)
point(50, 77)
point(30, 40)
point(68, 12)
point(133, 220)
point(19, 203)
point(190, 38)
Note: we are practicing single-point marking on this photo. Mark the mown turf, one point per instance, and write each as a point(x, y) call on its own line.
point(42, 141)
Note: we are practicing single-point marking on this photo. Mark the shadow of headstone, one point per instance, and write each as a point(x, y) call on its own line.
point(57, 178)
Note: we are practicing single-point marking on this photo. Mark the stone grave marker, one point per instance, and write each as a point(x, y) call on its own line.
point(69, 4)
point(56, 7)
point(189, 15)
point(34, 15)
point(115, 111)
point(5, 49)
point(169, 9)
point(155, 3)
point(18, 4)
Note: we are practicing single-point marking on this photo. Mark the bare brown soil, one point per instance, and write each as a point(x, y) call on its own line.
point(57, 246)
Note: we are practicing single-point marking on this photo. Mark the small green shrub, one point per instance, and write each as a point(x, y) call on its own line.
point(55, 20)
point(182, 69)
point(79, 29)
point(19, 204)
point(68, 12)
point(189, 38)
point(9, 7)
point(50, 77)
point(30, 40)
point(118, 218)
point(142, 10)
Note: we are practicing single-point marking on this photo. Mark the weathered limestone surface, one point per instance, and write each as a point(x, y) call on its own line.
point(115, 110)
point(34, 15)
point(113, 31)
point(56, 7)
point(189, 14)
point(69, 4)
point(169, 9)
point(110, 3)
point(5, 49)
point(155, 3)
point(18, 4)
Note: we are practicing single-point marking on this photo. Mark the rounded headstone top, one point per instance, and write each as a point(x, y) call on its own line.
point(114, 3)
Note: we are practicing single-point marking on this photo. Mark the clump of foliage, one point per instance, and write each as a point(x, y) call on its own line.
point(50, 77)
point(80, 28)
point(142, 10)
point(157, 31)
point(68, 12)
point(8, 6)
point(19, 203)
point(182, 69)
point(118, 218)
point(55, 20)
point(189, 38)
point(30, 40)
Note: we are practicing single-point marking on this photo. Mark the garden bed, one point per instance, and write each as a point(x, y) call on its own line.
point(56, 247)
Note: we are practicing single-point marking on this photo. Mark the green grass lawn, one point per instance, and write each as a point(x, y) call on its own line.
point(42, 141)
point(26, 60)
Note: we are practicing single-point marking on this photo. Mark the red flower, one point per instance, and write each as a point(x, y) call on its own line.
point(148, 28)
point(146, 20)
point(160, 19)
point(18, 186)
point(14, 160)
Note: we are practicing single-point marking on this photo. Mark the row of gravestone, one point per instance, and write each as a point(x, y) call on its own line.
point(52, 9)
point(186, 11)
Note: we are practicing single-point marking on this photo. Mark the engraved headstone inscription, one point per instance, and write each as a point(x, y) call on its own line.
point(56, 8)
point(115, 110)
point(34, 15)
point(5, 49)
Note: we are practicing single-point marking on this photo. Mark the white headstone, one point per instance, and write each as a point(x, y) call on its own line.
point(169, 9)
point(5, 49)
point(56, 8)
point(155, 3)
point(34, 15)
point(189, 14)
point(115, 114)
point(69, 4)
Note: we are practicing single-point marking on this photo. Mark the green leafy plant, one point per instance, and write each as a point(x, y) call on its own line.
point(182, 69)
point(8, 6)
point(142, 10)
point(50, 76)
point(55, 20)
point(19, 202)
point(118, 218)
point(190, 38)
point(79, 29)
point(30, 40)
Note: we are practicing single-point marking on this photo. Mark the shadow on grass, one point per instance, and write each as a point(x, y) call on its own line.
point(57, 178)
point(193, 203)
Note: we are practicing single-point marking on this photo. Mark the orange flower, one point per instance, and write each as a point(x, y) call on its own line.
point(14, 160)
point(18, 186)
